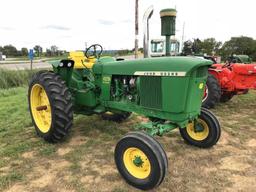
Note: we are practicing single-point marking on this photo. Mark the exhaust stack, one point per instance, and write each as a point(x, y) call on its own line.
point(146, 17)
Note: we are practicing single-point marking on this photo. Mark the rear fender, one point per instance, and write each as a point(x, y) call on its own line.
point(224, 77)
point(215, 73)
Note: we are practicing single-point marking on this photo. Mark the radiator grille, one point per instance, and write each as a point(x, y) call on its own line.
point(151, 92)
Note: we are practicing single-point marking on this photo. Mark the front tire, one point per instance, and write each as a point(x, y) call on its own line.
point(212, 92)
point(50, 106)
point(141, 160)
point(203, 132)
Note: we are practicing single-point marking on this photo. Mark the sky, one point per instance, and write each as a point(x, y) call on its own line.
point(70, 24)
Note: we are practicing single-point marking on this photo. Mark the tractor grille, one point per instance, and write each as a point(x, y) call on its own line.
point(151, 92)
point(201, 72)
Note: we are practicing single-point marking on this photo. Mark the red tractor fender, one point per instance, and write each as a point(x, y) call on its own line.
point(223, 75)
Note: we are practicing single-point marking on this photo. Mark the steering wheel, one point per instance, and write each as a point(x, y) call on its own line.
point(227, 65)
point(94, 50)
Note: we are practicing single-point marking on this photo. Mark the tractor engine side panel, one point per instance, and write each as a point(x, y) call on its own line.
point(166, 94)
point(166, 97)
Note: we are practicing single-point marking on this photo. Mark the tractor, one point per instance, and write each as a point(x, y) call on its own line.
point(167, 90)
point(226, 80)
point(239, 59)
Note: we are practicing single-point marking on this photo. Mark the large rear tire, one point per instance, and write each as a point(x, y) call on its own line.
point(141, 160)
point(50, 106)
point(225, 97)
point(212, 92)
point(203, 132)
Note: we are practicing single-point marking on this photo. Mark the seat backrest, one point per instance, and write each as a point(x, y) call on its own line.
point(80, 60)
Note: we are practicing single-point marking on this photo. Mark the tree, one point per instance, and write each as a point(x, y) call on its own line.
point(239, 45)
point(48, 52)
point(10, 50)
point(197, 46)
point(210, 46)
point(38, 50)
point(122, 52)
point(187, 48)
point(24, 51)
point(54, 50)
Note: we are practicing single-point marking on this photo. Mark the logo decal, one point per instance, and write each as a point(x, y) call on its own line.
point(106, 79)
point(201, 86)
point(161, 73)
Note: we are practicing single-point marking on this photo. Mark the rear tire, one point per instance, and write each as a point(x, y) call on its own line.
point(141, 160)
point(56, 106)
point(213, 92)
point(225, 97)
point(208, 132)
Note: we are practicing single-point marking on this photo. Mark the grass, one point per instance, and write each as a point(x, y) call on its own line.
point(9, 78)
point(84, 160)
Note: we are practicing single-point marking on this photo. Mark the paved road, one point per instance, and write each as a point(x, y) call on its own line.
point(43, 65)
point(22, 66)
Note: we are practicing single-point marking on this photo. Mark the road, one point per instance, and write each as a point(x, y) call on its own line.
point(23, 66)
point(44, 65)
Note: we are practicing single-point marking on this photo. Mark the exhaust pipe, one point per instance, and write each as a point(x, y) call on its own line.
point(147, 15)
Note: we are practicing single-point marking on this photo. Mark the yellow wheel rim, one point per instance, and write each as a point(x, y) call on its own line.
point(40, 108)
point(198, 135)
point(137, 163)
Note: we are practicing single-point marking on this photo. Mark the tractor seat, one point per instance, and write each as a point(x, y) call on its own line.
point(80, 60)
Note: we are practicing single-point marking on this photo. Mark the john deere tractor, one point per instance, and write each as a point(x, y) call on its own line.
point(166, 90)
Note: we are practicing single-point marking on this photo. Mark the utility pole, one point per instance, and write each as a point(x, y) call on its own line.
point(183, 36)
point(136, 27)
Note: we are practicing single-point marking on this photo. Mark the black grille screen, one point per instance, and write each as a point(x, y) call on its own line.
point(151, 92)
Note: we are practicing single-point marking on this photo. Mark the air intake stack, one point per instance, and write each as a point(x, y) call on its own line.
point(168, 20)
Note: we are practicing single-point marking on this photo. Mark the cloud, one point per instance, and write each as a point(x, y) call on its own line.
point(7, 28)
point(105, 22)
point(127, 21)
point(56, 27)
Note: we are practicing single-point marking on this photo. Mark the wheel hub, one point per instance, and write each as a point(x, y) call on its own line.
point(138, 161)
point(198, 130)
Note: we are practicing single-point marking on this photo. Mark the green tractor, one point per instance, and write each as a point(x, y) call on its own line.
point(166, 90)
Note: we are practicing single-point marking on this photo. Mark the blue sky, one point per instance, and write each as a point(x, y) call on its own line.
point(69, 24)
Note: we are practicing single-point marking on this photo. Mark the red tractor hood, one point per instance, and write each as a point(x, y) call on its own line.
point(242, 69)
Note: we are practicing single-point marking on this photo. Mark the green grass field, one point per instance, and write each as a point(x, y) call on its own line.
point(84, 160)
point(10, 79)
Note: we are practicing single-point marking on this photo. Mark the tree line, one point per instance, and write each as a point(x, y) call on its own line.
point(236, 45)
point(12, 51)
point(210, 46)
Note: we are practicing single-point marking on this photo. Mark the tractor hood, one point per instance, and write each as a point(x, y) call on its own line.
point(165, 66)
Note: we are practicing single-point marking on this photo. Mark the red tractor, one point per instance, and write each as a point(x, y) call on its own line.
point(226, 80)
